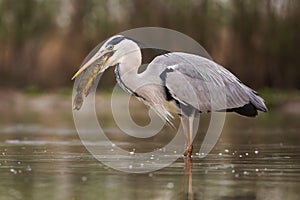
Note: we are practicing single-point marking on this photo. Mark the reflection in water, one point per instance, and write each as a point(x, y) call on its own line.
point(38, 166)
point(188, 179)
point(254, 159)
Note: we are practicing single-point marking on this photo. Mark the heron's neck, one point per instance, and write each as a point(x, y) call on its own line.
point(130, 62)
point(127, 69)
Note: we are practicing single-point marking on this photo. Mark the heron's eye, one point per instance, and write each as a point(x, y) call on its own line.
point(110, 47)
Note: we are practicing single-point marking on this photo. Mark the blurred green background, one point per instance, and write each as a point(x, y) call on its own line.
point(43, 42)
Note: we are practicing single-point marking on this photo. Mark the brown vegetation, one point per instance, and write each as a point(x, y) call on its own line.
point(42, 43)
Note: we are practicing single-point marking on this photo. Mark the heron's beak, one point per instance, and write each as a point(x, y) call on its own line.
point(103, 56)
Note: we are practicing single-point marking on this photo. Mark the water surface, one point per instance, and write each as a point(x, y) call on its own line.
point(253, 159)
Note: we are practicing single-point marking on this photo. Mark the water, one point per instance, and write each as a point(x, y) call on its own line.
point(253, 159)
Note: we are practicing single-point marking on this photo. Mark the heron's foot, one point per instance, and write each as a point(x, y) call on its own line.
point(188, 151)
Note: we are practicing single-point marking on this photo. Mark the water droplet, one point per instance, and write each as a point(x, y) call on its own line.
point(197, 154)
point(142, 164)
point(28, 168)
point(281, 144)
point(256, 151)
point(13, 171)
point(19, 163)
point(3, 153)
point(111, 149)
point(246, 154)
point(236, 175)
point(152, 157)
point(175, 151)
point(257, 170)
point(113, 145)
point(130, 166)
point(226, 150)
point(246, 173)
point(220, 154)
point(170, 185)
point(233, 171)
point(131, 152)
point(240, 156)
point(45, 151)
point(83, 178)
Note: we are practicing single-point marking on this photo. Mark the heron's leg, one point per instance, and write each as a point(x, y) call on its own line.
point(189, 150)
point(185, 129)
point(185, 124)
point(191, 126)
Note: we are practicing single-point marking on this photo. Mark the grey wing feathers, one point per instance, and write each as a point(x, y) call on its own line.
point(202, 83)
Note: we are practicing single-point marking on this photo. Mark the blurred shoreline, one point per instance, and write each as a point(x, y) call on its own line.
point(54, 108)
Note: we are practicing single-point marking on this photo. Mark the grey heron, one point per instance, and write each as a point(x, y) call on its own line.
point(171, 79)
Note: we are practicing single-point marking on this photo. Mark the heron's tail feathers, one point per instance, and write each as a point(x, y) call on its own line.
point(258, 102)
point(250, 109)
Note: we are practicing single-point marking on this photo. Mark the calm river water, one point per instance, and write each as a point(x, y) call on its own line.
point(42, 157)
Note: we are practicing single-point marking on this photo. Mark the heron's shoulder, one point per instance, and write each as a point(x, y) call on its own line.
point(183, 63)
point(194, 66)
point(181, 60)
point(182, 55)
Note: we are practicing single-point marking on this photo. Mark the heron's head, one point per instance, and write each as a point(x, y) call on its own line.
point(111, 53)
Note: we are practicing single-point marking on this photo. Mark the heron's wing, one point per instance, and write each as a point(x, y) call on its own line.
point(203, 84)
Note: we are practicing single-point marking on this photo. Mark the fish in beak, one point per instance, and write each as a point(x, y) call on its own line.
point(90, 71)
point(102, 57)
